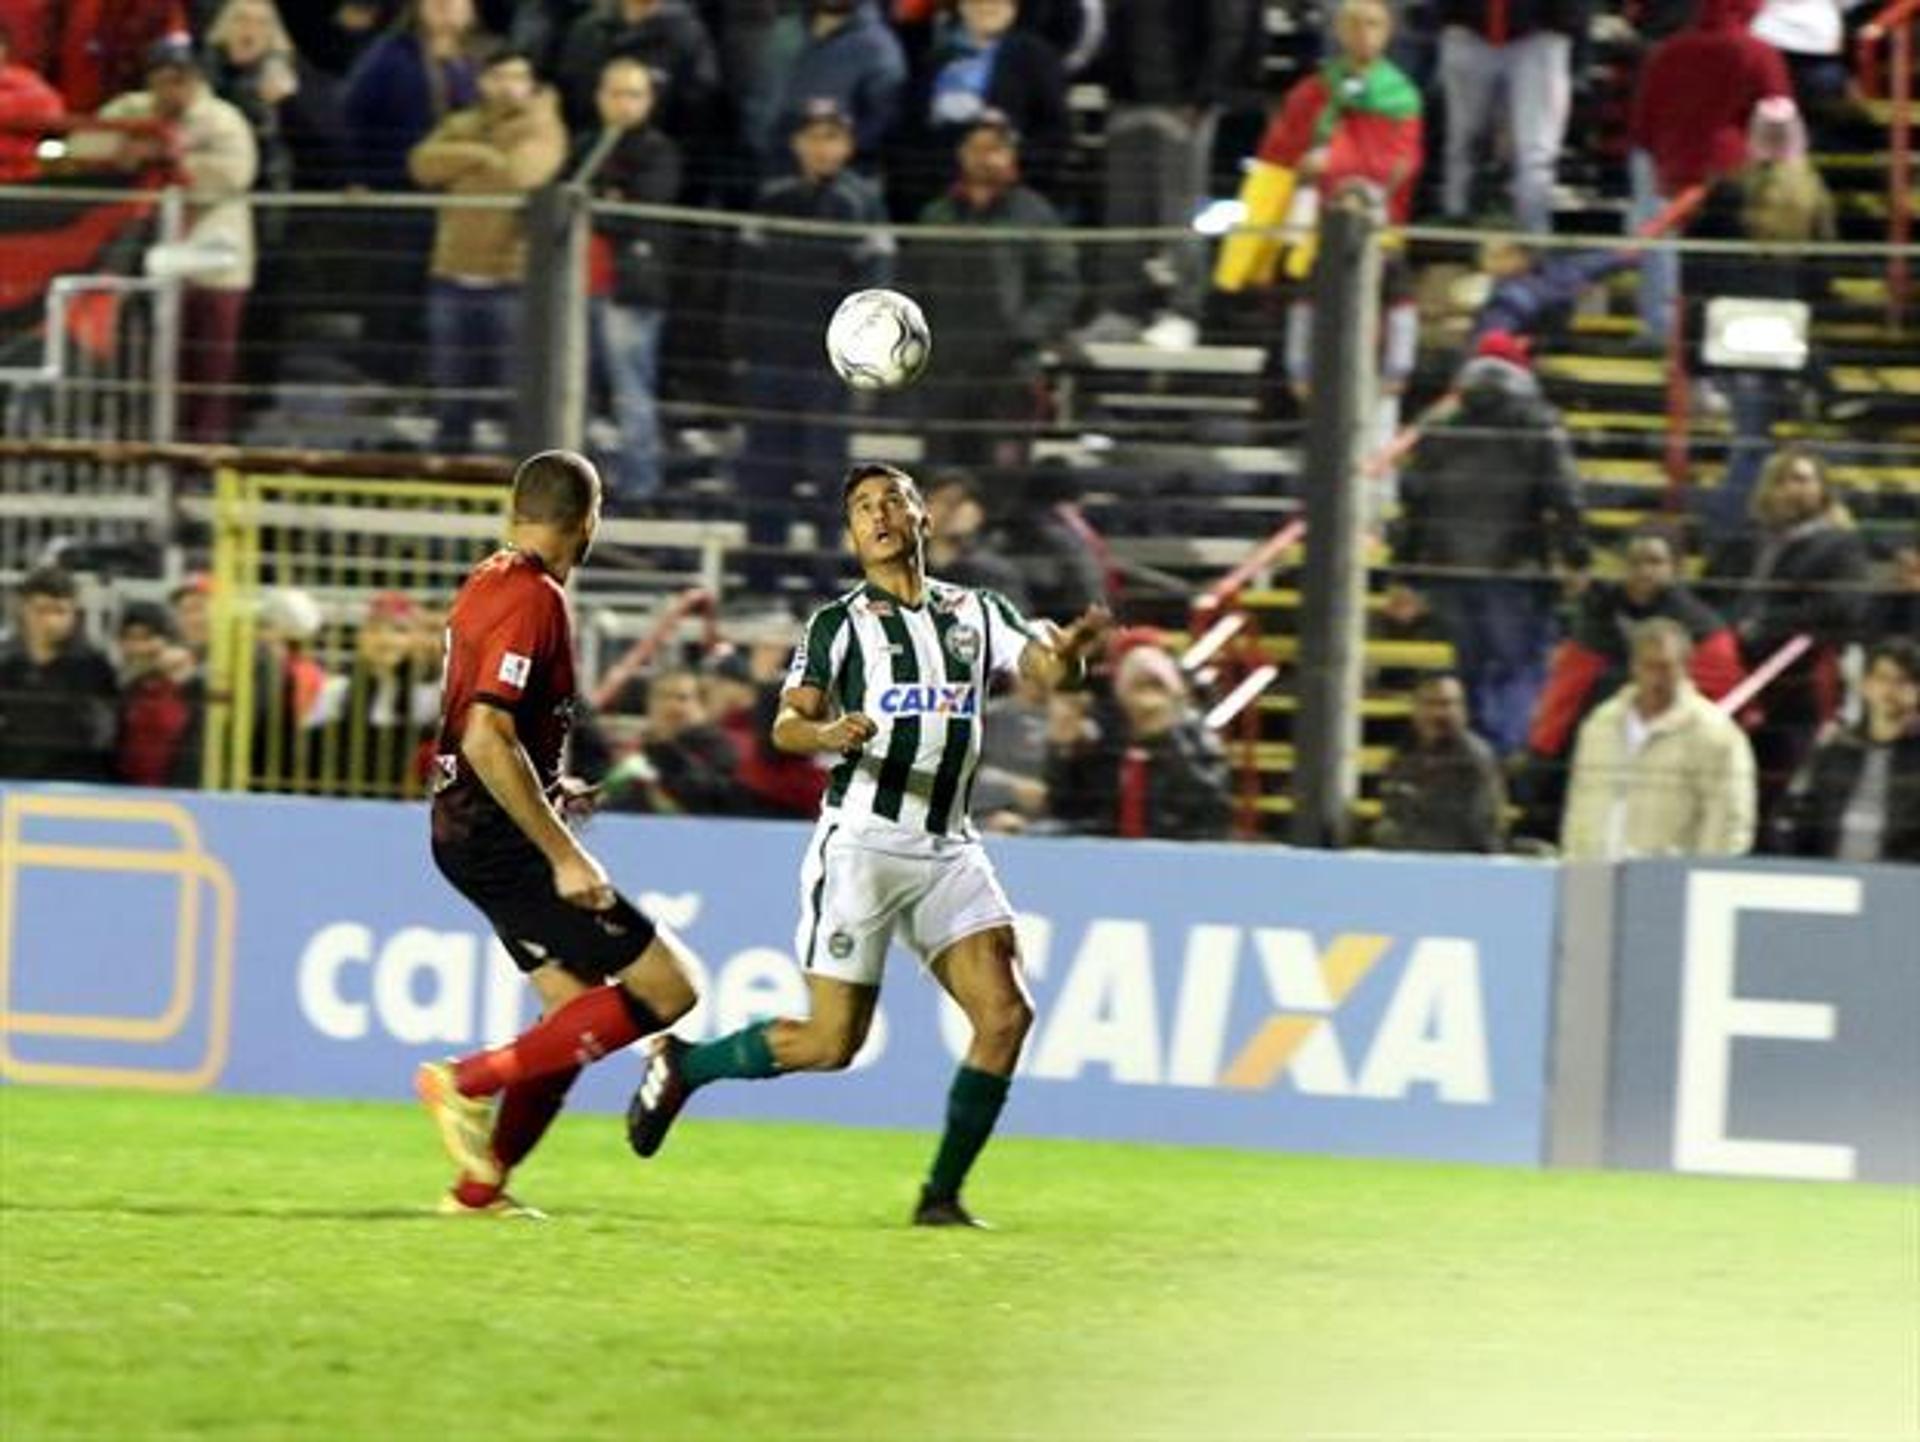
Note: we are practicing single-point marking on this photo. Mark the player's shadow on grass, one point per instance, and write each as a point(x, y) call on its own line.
point(234, 1211)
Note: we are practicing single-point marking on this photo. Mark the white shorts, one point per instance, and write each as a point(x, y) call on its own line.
point(852, 897)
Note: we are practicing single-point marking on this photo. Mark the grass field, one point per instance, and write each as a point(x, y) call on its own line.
point(226, 1268)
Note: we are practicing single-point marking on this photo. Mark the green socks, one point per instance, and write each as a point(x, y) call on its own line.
point(973, 1106)
point(745, 1054)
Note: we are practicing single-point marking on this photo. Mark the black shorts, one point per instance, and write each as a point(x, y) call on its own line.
point(513, 887)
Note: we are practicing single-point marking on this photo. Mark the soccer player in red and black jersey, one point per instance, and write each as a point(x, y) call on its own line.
point(605, 975)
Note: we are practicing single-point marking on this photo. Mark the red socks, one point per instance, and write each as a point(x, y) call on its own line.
point(584, 1030)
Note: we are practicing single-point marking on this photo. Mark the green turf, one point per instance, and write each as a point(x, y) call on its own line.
point(228, 1268)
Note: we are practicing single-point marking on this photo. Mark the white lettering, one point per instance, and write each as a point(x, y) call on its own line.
point(447, 957)
point(1434, 1031)
point(1200, 1014)
point(1712, 1014)
point(1291, 961)
point(1106, 1012)
point(332, 948)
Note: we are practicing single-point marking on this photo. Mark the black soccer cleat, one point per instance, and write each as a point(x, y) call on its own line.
point(945, 1212)
point(661, 1094)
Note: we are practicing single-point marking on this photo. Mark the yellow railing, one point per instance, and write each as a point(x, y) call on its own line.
point(326, 614)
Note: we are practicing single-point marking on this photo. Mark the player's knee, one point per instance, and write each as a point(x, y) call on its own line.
point(1004, 1022)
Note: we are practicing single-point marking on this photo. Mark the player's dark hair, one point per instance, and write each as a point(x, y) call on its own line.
point(1903, 651)
point(48, 581)
point(555, 488)
point(866, 471)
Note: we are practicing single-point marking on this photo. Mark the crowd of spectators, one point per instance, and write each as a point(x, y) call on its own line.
point(1576, 696)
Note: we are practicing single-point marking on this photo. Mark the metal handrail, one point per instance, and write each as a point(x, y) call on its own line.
point(1765, 674)
point(1225, 591)
point(1894, 25)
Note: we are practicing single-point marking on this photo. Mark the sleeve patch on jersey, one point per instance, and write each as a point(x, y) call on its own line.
point(515, 668)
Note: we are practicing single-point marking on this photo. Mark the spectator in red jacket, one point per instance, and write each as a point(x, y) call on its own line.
point(743, 693)
point(26, 103)
point(1689, 125)
point(161, 702)
point(1356, 118)
point(1593, 662)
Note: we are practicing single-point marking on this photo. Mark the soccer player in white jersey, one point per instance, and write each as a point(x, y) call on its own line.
point(893, 677)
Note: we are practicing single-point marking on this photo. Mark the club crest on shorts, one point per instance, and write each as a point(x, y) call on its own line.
point(963, 644)
point(840, 945)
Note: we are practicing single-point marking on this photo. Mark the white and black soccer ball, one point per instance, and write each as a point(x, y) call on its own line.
point(878, 340)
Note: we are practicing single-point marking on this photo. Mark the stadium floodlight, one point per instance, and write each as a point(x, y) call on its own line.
point(1748, 333)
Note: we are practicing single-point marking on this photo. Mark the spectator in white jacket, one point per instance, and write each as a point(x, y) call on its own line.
point(1659, 770)
point(214, 149)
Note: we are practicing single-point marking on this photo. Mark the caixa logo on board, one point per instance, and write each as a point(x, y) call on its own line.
point(1238, 1008)
point(1262, 1007)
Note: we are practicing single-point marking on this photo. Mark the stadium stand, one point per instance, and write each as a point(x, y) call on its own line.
point(1115, 458)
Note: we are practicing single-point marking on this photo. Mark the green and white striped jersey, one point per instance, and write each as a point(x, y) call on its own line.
point(921, 673)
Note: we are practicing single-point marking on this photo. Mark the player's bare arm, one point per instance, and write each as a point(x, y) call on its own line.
point(804, 727)
point(1056, 656)
point(492, 748)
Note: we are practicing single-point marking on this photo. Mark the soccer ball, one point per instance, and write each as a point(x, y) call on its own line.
point(878, 340)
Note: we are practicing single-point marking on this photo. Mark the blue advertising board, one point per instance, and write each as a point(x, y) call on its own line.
point(1766, 1020)
point(1251, 997)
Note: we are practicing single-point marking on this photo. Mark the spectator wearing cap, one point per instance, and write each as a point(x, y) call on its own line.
point(668, 37)
point(27, 103)
point(1858, 796)
point(1147, 766)
point(1489, 506)
point(785, 288)
point(219, 161)
point(1442, 791)
point(994, 305)
point(383, 711)
point(980, 61)
point(851, 57)
point(1689, 124)
point(57, 692)
point(1167, 68)
point(162, 702)
point(631, 159)
point(511, 143)
point(92, 50)
point(1523, 48)
point(1659, 770)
